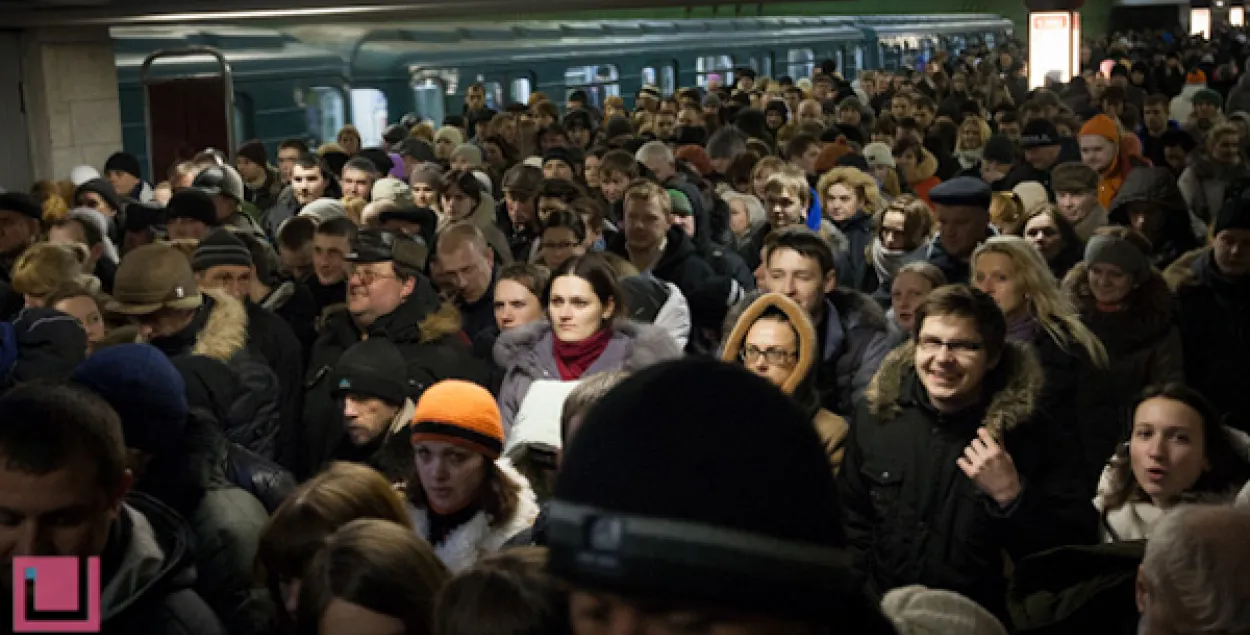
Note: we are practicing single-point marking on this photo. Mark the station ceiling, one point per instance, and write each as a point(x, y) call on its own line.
point(29, 13)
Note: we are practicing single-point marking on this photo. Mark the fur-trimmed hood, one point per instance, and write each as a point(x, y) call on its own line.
point(808, 353)
point(642, 345)
point(1016, 386)
point(1150, 312)
point(224, 330)
point(1181, 273)
point(481, 535)
point(926, 167)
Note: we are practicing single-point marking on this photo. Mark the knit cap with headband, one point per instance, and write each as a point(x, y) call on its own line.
point(1116, 250)
point(460, 413)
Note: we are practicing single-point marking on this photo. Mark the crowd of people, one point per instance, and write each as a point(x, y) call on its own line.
point(918, 351)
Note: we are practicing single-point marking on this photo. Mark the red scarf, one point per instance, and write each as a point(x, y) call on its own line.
point(574, 358)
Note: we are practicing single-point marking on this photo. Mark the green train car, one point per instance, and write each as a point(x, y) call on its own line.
point(308, 81)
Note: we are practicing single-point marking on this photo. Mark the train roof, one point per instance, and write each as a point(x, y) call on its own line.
point(253, 53)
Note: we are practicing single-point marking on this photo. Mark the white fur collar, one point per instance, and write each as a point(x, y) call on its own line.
point(478, 537)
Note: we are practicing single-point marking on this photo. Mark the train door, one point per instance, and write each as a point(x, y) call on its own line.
point(186, 114)
point(429, 93)
point(662, 74)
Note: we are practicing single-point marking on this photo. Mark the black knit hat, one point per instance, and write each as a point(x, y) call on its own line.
point(20, 203)
point(192, 203)
point(220, 248)
point(253, 151)
point(123, 162)
point(652, 499)
point(999, 149)
point(372, 368)
point(103, 189)
point(571, 157)
point(1235, 214)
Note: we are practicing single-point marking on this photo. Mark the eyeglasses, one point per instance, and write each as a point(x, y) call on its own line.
point(958, 348)
point(774, 356)
point(369, 276)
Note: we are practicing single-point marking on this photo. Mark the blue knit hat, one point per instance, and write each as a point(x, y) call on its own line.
point(145, 389)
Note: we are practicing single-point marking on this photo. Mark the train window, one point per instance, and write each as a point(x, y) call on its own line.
point(242, 118)
point(521, 89)
point(714, 70)
point(664, 78)
point(326, 112)
point(599, 82)
point(494, 94)
point(801, 63)
point(763, 64)
point(369, 114)
point(431, 104)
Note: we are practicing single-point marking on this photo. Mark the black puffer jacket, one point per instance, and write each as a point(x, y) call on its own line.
point(148, 571)
point(1215, 332)
point(1157, 186)
point(240, 389)
point(427, 332)
point(914, 517)
point(856, 270)
point(271, 339)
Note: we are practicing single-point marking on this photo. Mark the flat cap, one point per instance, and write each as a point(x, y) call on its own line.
point(962, 191)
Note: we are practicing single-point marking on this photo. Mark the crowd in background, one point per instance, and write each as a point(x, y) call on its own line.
point(921, 350)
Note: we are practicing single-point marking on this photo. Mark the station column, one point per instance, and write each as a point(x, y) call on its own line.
point(69, 90)
point(1054, 41)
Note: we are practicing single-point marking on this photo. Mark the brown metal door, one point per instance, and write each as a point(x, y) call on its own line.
point(185, 116)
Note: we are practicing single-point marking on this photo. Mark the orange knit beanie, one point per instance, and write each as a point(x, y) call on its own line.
point(1104, 127)
point(461, 413)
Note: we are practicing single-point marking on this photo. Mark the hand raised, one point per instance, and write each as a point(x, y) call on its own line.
point(991, 468)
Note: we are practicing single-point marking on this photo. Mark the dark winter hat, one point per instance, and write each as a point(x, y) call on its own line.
point(145, 389)
point(578, 120)
point(1074, 177)
point(1208, 96)
point(1235, 214)
point(1039, 134)
point(49, 345)
point(777, 106)
point(192, 203)
point(144, 216)
point(962, 191)
point(416, 149)
point(103, 189)
point(376, 245)
point(569, 156)
point(123, 162)
point(1121, 252)
point(648, 504)
point(253, 151)
point(854, 160)
point(372, 368)
point(393, 134)
point(378, 157)
point(220, 248)
point(20, 203)
point(999, 149)
point(618, 127)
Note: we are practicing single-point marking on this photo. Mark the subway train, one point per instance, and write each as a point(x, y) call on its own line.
point(237, 83)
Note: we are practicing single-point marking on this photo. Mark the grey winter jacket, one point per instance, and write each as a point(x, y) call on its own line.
point(1204, 182)
point(527, 354)
point(854, 337)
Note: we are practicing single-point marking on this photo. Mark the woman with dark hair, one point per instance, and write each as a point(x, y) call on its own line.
point(1177, 452)
point(1054, 237)
point(563, 236)
point(523, 598)
point(587, 331)
point(918, 166)
point(466, 199)
point(372, 577)
point(338, 495)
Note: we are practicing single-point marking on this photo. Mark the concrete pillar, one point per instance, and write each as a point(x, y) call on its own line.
point(70, 87)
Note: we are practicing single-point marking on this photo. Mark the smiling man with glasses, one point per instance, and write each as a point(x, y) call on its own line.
point(951, 468)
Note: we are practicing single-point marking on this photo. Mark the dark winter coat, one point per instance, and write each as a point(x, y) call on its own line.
point(1078, 589)
point(856, 270)
point(1143, 344)
point(1215, 332)
point(271, 339)
point(914, 517)
point(148, 571)
point(1156, 185)
point(1069, 151)
point(527, 353)
point(427, 332)
point(223, 376)
point(854, 336)
point(710, 295)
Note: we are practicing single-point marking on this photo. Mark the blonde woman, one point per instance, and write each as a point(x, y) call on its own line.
point(1013, 272)
point(45, 267)
point(349, 139)
point(850, 198)
point(765, 168)
point(973, 133)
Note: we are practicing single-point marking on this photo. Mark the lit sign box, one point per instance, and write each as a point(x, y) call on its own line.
point(1200, 22)
point(1054, 47)
point(1237, 16)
